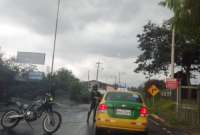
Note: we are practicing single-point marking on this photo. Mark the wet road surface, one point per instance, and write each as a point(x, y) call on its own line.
point(74, 123)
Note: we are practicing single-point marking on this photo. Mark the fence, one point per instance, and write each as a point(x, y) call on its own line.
point(189, 109)
point(190, 115)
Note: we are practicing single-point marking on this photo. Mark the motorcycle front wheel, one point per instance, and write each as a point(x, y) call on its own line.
point(52, 122)
point(9, 119)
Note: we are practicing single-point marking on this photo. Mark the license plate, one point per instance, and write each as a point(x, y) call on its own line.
point(123, 112)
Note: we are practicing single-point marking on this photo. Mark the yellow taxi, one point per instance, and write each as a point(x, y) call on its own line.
point(122, 111)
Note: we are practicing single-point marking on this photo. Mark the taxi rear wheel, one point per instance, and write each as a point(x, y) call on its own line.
point(99, 131)
point(145, 133)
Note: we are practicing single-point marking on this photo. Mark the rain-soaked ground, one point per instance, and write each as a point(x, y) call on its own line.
point(74, 123)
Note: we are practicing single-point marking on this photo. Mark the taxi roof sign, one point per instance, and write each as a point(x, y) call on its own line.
point(153, 90)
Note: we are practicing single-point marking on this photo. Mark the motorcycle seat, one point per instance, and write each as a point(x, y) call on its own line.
point(20, 105)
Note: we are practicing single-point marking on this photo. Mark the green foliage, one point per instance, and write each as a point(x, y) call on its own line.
point(186, 15)
point(28, 90)
point(158, 83)
point(6, 77)
point(62, 80)
point(79, 92)
point(155, 44)
point(166, 109)
point(164, 105)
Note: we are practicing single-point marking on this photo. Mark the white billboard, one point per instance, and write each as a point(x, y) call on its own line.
point(30, 58)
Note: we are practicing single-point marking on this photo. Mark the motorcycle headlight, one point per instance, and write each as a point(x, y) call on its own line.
point(28, 113)
point(51, 99)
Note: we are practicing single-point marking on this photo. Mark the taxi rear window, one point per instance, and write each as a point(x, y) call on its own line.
point(122, 96)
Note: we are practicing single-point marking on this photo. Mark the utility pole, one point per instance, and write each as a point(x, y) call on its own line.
point(88, 79)
point(115, 82)
point(98, 66)
point(119, 79)
point(101, 72)
point(115, 79)
point(172, 67)
point(54, 45)
point(172, 52)
point(88, 75)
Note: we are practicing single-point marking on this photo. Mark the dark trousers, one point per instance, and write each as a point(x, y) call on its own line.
point(93, 107)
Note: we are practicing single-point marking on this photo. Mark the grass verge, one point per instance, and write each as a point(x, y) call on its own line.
point(166, 109)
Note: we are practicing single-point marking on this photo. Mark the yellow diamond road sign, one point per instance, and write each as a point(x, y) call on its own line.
point(153, 90)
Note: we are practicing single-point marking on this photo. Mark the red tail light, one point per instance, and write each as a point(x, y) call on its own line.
point(144, 112)
point(103, 107)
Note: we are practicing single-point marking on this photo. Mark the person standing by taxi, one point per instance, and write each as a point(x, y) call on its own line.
point(95, 99)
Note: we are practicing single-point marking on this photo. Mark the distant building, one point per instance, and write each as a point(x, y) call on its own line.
point(110, 88)
point(102, 87)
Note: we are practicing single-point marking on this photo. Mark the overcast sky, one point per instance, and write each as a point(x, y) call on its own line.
point(88, 31)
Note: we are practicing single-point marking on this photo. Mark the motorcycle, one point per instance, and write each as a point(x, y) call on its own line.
point(42, 107)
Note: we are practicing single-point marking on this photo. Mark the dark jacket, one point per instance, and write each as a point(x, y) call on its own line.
point(94, 95)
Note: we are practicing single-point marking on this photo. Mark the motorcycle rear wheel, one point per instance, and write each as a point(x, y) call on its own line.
point(8, 123)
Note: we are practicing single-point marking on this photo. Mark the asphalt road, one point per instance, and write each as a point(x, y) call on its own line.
point(74, 123)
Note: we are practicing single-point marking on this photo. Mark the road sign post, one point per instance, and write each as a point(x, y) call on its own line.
point(153, 90)
point(173, 84)
point(178, 99)
point(153, 100)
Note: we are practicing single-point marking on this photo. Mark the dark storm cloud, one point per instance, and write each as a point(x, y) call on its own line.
point(36, 15)
point(88, 30)
point(40, 14)
point(111, 47)
point(102, 27)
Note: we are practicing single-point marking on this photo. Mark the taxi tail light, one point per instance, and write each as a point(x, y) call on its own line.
point(103, 107)
point(144, 112)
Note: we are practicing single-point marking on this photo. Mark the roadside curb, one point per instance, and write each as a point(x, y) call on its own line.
point(157, 118)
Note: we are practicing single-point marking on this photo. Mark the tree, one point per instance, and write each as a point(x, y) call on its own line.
point(186, 15)
point(158, 83)
point(13, 82)
point(64, 80)
point(154, 43)
point(7, 77)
